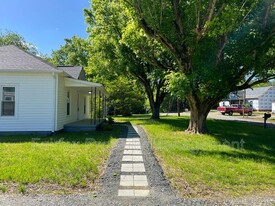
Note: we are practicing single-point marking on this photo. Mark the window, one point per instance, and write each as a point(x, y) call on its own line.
point(84, 105)
point(8, 101)
point(68, 103)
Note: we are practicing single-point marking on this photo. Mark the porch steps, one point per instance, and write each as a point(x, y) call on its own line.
point(80, 126)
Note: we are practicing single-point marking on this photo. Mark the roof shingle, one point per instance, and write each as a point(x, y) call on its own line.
point(74, 71)
point(13, 58)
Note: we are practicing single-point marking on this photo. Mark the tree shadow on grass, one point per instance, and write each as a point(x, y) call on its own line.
point(99, 137)
point(236, 155)
point(249, 141)
point(254, 138)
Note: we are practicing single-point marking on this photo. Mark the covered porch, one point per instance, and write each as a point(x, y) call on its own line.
point(94, 105)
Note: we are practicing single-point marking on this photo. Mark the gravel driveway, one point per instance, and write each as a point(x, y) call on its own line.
point(160, 190)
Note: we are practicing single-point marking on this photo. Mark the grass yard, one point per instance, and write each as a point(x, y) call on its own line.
point(64, 162)
point(236, 160)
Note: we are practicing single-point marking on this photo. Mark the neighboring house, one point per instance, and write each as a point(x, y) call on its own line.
point(260, 98)
point(38, 97)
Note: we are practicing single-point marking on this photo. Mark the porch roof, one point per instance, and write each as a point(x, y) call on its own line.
point(84, 87)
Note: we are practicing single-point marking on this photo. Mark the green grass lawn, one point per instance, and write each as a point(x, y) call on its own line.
point(237, 159)
point(68, 160)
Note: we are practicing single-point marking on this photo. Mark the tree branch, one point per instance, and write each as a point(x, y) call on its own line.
point(266, 13)
point(210, 10)
point(178, 22)
point(223, 42)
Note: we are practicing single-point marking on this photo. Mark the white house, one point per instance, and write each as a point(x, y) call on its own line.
point(38, 97)
point(260, 98)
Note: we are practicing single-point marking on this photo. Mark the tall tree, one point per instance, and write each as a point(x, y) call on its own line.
point(117, 48)
point(75, 52)
point(12, 38)
point(219, 46)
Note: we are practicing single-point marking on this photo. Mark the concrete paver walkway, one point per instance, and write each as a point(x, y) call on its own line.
point(133, 179)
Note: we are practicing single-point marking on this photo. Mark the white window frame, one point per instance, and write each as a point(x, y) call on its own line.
point(15, 99)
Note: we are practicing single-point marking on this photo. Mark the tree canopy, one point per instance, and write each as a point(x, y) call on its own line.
point(120, 46)
point(218, 46)
point(75, 52)
point(12, 38)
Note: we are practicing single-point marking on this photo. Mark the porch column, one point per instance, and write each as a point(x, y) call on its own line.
point(99, 106)
point(91, 105)
point(103, 106)
point(95, 106)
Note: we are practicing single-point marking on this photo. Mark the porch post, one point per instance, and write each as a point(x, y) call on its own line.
point(91, 105)
point(99, 103)
point(103, 106)
point(95, 107)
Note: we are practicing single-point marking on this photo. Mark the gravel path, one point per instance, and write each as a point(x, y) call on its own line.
point(160, 190)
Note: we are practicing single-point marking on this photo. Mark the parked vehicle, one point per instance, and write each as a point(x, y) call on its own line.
point(235, 108)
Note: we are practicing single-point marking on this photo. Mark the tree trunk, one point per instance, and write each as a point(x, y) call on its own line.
point(155, 111)
point(197, 123)
point(178, 106)
point(199, 112)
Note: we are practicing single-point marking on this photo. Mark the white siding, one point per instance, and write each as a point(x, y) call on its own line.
point(34, 110)
point(62, 117)
point(255, 103)
point(265, 101)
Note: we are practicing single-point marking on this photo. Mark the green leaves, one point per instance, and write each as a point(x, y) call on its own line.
point(12, 38)
point(74, 53)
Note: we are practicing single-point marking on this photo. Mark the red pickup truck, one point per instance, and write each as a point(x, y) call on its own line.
point(235, 108)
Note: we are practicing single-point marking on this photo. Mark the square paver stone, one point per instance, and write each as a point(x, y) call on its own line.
point(140, 178)
point(132, 139)
point(137, 158)
point(132, 167)
point(126, 193)
point(126, 167)
point(132, 158)
point(132, 152)
point(138, 167)
point(140, 181)
point(132, 147)
point(133, 143)
point(141, 193)
point(127, 180)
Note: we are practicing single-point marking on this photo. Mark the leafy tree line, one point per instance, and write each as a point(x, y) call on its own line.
point(12, 38)
point(120, 47)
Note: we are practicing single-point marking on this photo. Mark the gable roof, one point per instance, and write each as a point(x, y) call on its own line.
point(13, 58)
point(73, 71)
point(256, 92)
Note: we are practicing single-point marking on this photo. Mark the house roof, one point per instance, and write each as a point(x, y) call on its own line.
point(73, 71)
point(13, 58)
point(256, 92)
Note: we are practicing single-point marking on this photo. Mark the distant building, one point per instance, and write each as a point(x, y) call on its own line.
point(260, 98)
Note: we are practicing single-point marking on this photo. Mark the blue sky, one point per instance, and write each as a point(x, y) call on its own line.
point(44, 23)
